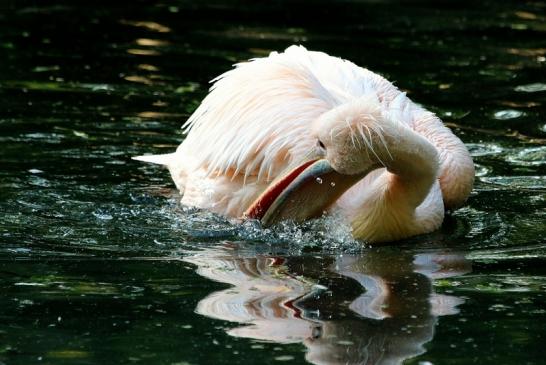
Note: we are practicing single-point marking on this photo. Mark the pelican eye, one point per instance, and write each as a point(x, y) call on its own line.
point(316, 332)
point(321, 145)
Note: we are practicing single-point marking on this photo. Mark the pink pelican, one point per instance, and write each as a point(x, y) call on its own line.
point(298, 134)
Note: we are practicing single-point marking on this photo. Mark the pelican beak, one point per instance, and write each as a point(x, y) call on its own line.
point(304, 192)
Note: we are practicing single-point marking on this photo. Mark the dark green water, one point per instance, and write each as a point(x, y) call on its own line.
point(99, 264)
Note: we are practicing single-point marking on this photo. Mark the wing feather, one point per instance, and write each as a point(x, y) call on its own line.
point(257, 116)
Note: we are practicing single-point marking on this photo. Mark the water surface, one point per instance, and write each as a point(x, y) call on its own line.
point(100, 264)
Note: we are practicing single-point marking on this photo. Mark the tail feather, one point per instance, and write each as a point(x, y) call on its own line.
point(165, 159)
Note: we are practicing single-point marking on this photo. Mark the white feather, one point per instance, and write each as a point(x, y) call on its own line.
point(165, 159)
point(257, 115)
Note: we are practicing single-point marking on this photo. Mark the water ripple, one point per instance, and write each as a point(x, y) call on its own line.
point(531, 88)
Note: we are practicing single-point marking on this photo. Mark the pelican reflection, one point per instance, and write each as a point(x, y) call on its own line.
point(378, 307)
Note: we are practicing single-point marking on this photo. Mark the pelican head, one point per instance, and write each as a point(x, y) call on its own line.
point(351, 141)
point(347, 136)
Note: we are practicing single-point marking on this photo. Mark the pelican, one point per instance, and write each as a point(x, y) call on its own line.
point(299, 134)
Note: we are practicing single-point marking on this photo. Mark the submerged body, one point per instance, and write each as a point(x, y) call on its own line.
point(298, 133)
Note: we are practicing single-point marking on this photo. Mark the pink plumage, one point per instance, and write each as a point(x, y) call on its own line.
point(269, 116)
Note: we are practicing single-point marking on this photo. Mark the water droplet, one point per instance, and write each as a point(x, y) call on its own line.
point(332, 184)
point(319, 180)
point(102, 216)
point(507, 114)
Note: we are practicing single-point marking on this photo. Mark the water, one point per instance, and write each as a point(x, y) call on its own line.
point(100, 264)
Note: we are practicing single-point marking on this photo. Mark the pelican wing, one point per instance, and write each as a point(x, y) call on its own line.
point(257, 116)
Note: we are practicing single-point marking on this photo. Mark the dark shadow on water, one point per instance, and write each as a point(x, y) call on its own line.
point(378, 307)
